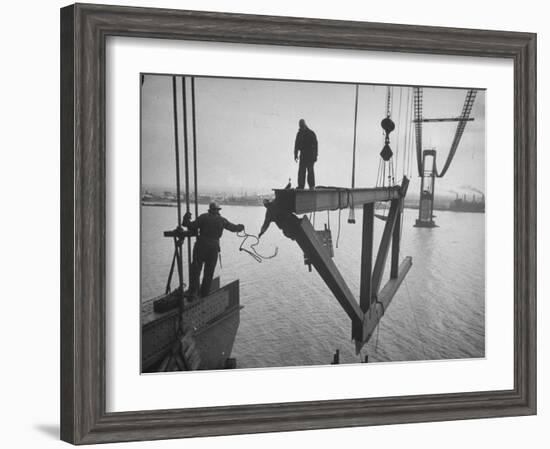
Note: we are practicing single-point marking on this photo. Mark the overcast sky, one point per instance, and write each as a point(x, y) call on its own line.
point(246, 130)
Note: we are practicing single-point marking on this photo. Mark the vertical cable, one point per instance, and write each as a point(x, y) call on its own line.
point(186, 153)
point(407, 134)
point(354, 136)
point(194, 146)
point(177, 149)
point(178, 189)
point(399, 134)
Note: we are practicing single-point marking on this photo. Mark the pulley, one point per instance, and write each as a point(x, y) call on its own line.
point(386, 153)
point(388, 126)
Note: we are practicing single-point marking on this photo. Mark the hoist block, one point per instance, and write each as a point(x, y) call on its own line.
point(386, 153)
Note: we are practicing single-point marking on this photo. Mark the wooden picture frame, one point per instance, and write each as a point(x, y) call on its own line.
point(84, 29)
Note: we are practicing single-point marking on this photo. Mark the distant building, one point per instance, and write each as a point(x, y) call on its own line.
point(463, 205)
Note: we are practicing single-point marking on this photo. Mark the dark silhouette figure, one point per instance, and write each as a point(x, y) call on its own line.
point(306, 146)
point(209, 226)
point(286, 222)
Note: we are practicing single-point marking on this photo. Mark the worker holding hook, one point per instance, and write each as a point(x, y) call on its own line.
point(209, 227)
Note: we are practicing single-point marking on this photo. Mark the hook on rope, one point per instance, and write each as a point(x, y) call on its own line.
point(254, 252)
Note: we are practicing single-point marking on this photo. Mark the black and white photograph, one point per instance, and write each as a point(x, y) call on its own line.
point(298, 223)
point(279, 224)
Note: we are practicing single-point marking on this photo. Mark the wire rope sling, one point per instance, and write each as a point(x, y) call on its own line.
point(386, 169)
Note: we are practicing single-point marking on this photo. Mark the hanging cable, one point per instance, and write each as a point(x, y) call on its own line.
point(195, 188)
point(186, 153)
point(351, 218)
point(354, 136)
point(253, 252)
point(386, 170)
point(177, 247)
point(401, 131)
point(407, 135)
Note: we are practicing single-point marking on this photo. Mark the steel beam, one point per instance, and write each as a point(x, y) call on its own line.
point(305, 201)
point(366, 257)
point(375, 313)
point(384, 247)
point(396, 243)
point(323, 263)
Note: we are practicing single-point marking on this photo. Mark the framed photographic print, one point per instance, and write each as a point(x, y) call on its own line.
point(315, 223)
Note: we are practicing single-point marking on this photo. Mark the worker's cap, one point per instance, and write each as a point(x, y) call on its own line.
point(214, 206)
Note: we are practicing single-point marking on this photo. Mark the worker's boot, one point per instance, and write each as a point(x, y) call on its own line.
point(191, 295)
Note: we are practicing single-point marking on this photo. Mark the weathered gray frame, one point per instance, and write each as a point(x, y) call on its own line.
point(83, 32)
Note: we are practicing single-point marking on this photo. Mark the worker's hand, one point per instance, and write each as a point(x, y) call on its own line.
point(241, 227)
point(179, 231)
point(296, 159)
point(260, 234)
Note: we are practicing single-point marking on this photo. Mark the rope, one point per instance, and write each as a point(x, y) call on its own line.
point(411, 140)
point(398, 130)
point(388, 101)
point(186, 158)
point(407, 133)
point(254, 252)
point(178, 183)
point(354, 136)
point(195, 187)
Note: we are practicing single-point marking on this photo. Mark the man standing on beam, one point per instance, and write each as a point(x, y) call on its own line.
point(306, 145)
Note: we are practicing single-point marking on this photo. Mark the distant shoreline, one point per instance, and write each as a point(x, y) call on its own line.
point(248, 204)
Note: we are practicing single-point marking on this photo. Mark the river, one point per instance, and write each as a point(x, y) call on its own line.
point(290, 317)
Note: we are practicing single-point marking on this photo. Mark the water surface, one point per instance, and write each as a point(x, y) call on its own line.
point(290, 317)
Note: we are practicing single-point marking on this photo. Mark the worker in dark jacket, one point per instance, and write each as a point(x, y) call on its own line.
point(306, 146)
point(209, 227)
